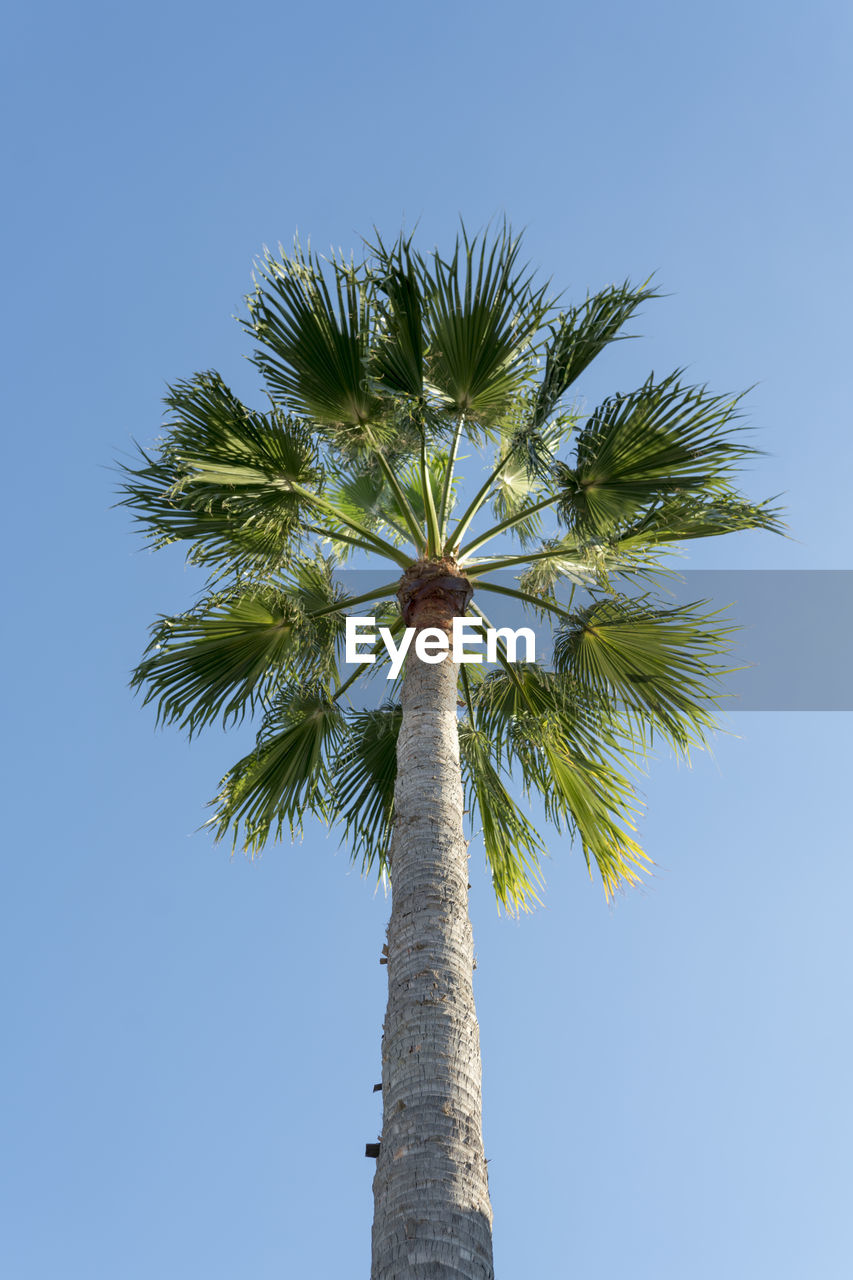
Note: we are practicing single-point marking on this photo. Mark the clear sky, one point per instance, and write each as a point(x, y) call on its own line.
point(190, 1041)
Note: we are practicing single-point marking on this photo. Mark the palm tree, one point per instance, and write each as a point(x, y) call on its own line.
point(379, 374)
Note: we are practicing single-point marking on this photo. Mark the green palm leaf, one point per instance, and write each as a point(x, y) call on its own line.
point(565, 559)
point(229, 653)
point(223, 479)
point(365, 773)
point(660, 665)
point(639, 448)
point(397, 360)
point(217, 443)
point(526, 693)
point(598, 802)
point(578, 336)
point(287, 775)
point(482, 314)
point(412, 483)
point(219, 659)
point(564, 741)
point(524, 462)
point(513, 847)
point(213, 526)
point(362, 497)
point(315, 344)
point(683, 516)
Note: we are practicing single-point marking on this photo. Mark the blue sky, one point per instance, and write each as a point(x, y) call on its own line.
point(190, 1040)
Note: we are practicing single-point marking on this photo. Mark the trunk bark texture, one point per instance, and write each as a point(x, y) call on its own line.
point(432, 1217)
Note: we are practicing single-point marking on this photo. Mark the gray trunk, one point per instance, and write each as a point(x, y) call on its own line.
point(432, 1213)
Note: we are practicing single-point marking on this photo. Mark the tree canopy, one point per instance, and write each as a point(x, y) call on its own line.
point(383, 376)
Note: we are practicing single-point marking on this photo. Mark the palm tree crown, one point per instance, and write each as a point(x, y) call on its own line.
point(380, 374)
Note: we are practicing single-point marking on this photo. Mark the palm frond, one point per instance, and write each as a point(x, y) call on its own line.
point(227, 656)
point(224, 478)
point(397, 359)
point(578, 336)
point(358, 498)
point(513, 847)
point(661, 666)
point(315, 338)
point(218, 660)
point(683, 516)
point(365, 773)
point(557, 559)
point(520, 483)
point(565, 744)
point(585, 566)
point(482, 313)
point(544, 604)
point(216, 535)
point(411, 480)
point(599, 803)
point(636, 449)
point(288, 774)
point(526, 692)
point(216, 442)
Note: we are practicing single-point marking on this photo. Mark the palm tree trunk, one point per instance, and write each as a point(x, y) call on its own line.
point(432, 1213)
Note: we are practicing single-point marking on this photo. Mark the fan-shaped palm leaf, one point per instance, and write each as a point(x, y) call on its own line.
point(638, 448)
point(397, 359)
point(659, 665)
point(287, 775)
point(482, 314)
point(365, 773)
point(216, 443)
point(227, 655)
point(315, 346)
point(358, 499)
point(218, 533)
point(218, 659)
point(568, 558)
point(683, 516)
point(513, 847)
point(596, 800)
point(578, 336)
point(521, 475)
point(230, 480)
point(564, 742)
